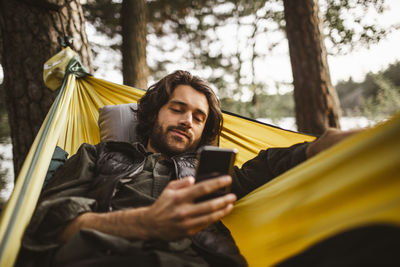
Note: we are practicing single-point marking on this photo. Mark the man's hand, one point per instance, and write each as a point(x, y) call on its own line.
point(330, 137)
point(176, 215)
point(173, 216)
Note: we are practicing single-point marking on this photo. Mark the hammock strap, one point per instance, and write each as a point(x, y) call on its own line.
point(28, 178)
point(74, 67)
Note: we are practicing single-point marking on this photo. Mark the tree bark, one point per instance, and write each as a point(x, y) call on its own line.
point(134, 34)
point(317, 104)
point(30, 30)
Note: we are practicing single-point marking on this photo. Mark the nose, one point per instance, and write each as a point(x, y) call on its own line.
point(186, 119)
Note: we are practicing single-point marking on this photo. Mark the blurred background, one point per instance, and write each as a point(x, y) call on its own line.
point(301, 65)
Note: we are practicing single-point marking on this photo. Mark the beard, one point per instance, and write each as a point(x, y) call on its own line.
point(165, 144)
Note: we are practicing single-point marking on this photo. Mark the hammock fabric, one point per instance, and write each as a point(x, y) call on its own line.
point(321, 197)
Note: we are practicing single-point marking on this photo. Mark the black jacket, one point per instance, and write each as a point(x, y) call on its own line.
point(95, 172)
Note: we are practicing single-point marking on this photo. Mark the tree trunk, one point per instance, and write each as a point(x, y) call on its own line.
point(317, 104)
point(30, 30)
point(134, 34)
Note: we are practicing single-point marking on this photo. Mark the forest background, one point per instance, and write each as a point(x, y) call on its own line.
point(240, 47)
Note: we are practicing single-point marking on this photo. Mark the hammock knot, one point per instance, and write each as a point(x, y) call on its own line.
point(57, 68)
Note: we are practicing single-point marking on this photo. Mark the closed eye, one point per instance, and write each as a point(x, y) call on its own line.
point(198, 118)
point(175, 110)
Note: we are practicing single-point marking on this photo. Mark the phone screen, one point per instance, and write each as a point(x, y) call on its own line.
point(214, 162)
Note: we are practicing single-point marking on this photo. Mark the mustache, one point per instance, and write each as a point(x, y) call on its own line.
point(182, 129)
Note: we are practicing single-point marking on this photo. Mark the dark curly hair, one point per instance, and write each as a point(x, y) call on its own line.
point(158, 95)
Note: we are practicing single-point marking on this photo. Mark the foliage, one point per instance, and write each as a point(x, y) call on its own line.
point(270, 106)
point(4, 137)
point(393, 73)
point(192, 35)
point(377, 97)
point(348, 23)
point(385, 103)
point(4, 126)
point(3, 180)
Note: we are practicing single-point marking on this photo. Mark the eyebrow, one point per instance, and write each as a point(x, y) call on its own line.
point(177, 102)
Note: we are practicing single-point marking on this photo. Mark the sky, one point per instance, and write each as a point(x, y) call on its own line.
point(376, 58)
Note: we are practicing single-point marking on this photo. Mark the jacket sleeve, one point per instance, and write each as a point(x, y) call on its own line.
point(267, 165)
point(62, 200)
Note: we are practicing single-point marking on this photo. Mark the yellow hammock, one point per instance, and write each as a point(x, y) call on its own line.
point(352, 184)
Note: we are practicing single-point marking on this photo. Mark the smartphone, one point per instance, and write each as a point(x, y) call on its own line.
point(213, 162)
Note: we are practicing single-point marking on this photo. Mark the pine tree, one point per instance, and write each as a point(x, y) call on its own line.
point(30, 30)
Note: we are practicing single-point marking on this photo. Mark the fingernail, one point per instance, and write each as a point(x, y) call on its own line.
point(231, 197)
point(191, 179)
point(227, 178)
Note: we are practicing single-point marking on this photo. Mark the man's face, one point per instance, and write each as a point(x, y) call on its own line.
point(180, 122)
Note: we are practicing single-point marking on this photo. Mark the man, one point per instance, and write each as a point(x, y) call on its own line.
point(134, 204)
